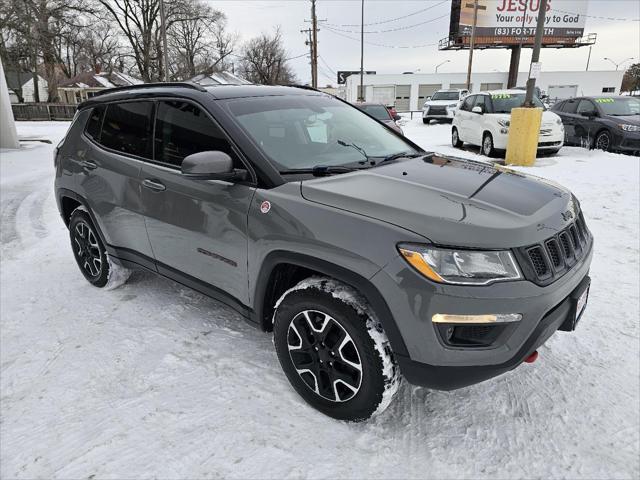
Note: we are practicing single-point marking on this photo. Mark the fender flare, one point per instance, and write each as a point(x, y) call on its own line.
point(357, 281)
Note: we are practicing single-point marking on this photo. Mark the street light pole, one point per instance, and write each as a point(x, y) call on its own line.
point(163, 31)
point(620, 63)
point(361, 96)
point(440, 64)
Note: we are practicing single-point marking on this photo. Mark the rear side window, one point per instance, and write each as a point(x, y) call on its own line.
point(570, 106)
point(183, 129)
point(95, 122)
point(127, 128)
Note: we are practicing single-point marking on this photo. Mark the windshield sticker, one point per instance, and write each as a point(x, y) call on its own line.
point(605, 100)
point(501, 95)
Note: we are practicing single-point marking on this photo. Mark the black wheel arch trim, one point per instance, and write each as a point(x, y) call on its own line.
point(360, 283)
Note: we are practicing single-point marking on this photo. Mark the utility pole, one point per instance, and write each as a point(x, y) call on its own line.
point(475, 7)
point(535, 56)
point(362, 96)
point(163, 30)
point(309, 43)
point(314, 49)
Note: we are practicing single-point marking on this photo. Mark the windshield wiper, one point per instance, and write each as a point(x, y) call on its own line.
point(320, 170)
point(395, 156)
point(353, 145)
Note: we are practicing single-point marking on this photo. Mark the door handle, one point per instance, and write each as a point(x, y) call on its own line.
point(153, 185)
point(88, 164)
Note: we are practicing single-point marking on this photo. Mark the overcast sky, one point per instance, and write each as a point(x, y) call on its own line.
point(618, 39)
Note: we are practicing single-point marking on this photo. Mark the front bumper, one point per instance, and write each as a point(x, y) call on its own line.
point(413, 300)
point(628, 142)
point(438, 113)
point(552, 141)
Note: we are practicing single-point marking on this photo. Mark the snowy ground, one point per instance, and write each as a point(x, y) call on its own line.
point(155, 380)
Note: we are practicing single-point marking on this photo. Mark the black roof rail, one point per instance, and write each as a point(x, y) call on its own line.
point(191, 85)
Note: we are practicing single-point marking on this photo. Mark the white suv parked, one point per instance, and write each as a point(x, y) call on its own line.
point(483, 119)
point(442, 105)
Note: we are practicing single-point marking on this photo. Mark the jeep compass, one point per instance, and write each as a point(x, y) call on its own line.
point(366, 256)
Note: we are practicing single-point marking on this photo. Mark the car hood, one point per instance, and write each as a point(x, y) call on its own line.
point(630, 119)
point(439, 103)
point(451, 201)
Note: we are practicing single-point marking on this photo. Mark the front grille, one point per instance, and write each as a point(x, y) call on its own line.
point(546, 131)
point(546, 262)
point(437, 110)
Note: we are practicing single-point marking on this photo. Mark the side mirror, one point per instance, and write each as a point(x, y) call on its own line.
point(397, 117)
point(211, 165)
point(427, 99)
point(477, 110)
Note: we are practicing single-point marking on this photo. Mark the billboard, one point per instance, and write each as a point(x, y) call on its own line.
point(511, 22)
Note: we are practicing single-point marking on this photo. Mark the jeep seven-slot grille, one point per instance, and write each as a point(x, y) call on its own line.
point(547, 261)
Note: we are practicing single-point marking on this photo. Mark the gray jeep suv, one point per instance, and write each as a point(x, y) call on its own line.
point(367, 257)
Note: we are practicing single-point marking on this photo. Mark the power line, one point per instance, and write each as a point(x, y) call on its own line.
point(327, 65)
point(599, 17)
point(297, 56)
point(391, 19)
point(379, 44)
point(407, 27)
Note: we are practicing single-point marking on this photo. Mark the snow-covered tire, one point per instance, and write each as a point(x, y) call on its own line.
point(455, 138)
point(90, 254)
point(324, 329)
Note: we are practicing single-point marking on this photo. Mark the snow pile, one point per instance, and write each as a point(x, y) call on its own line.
point(155, 380)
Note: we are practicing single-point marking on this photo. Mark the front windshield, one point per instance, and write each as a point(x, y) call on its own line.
point(376, 111)
point(504, 102)
point(619, 106)
point(445, 96)
point(302, 132)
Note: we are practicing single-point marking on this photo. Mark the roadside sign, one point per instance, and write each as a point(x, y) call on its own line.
point(534, 71)
point(344, 74)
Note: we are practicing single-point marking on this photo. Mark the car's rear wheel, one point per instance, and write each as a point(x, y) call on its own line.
point(333, 351)
point(90, 254)
point(487, 145)
point(602, 141)
point(455, 138)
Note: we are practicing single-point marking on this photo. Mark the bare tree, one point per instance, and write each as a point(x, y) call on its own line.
point(265, 61)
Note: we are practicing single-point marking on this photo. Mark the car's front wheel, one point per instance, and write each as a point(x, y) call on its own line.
point(487, 145)
point(426, 120)
point(455, 138)
point(333, 350)
point(90, 254)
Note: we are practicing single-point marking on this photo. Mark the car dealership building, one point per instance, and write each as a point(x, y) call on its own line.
point(409, 91)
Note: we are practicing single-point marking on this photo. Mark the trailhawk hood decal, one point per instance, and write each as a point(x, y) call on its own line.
point(439, 198)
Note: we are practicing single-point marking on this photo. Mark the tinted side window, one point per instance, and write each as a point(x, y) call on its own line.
point(127, 128)
point(183, 129)
point(570, 106)
point(586, 106)
point(95, 122)
point(468, 102)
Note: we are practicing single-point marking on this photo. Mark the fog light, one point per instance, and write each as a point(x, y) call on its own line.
point(504, 131)
point(487, 318)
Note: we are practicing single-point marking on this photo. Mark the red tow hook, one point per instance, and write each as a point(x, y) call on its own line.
point(531, 358)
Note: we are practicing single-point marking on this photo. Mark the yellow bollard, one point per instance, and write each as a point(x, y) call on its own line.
point(524, 130)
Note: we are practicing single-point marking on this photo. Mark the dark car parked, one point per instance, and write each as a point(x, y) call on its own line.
point(606, 123)
point(382, 113)
point(366, 256)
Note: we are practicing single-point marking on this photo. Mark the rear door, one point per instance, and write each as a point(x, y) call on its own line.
point(570, 119)
point(586, 123)
point(119, 137)
point(197, 227)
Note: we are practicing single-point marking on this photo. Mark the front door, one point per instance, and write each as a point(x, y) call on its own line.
point(586, 124)
point(198, 227)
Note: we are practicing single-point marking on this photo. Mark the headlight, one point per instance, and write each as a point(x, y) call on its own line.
point(559, 121)
point(629, 128)
point(452, 105)
point(504, 123)
point(461, 267)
